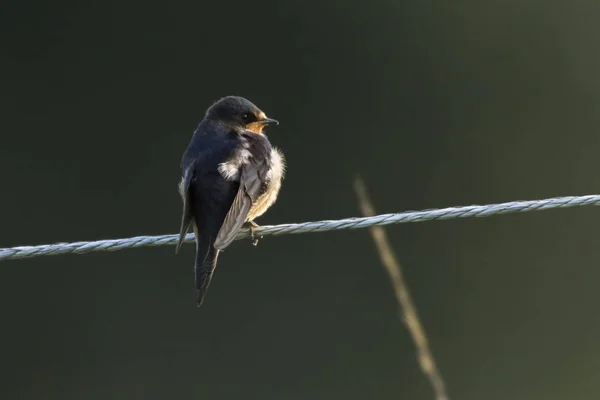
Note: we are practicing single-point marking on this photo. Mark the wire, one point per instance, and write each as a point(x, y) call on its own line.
point(306, 227)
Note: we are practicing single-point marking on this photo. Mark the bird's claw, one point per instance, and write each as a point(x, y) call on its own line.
point(252, 226)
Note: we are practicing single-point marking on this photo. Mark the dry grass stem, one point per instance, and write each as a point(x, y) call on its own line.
point(411, 318)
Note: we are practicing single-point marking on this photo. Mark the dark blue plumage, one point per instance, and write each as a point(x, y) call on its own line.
point(231, 175)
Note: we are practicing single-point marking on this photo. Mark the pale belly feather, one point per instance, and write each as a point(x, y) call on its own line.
point(274, 178)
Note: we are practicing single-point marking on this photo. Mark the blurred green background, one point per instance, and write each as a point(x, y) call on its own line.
point(434, 103)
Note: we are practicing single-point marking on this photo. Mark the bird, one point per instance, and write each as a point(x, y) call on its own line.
point(231, 174)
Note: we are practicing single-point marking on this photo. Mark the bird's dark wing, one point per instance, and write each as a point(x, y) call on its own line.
point(252, 183)
point(187, 216)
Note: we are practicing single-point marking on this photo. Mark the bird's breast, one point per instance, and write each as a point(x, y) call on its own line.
point(274, 177)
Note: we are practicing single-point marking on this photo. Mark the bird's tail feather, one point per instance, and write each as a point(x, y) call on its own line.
point(204, 268)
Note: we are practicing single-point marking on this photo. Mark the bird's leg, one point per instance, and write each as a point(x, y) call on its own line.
point(252, 226)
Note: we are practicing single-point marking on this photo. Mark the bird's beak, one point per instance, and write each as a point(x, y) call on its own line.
point(268, 121)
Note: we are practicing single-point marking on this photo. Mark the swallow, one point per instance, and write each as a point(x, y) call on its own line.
point(230, 176)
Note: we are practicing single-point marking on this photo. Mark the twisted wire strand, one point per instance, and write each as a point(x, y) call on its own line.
point(306, 227)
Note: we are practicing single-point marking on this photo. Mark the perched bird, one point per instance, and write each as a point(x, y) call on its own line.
point(231, 175)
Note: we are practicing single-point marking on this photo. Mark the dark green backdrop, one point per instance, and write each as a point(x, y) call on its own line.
point(435, 103)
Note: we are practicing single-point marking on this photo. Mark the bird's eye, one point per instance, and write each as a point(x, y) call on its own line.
point(248, 117)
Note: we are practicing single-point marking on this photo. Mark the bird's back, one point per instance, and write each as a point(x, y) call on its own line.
point(211, 195)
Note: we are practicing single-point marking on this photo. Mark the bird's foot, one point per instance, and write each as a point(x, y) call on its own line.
point(252, 226)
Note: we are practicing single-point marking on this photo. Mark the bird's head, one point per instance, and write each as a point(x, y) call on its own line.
point(236, 111)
